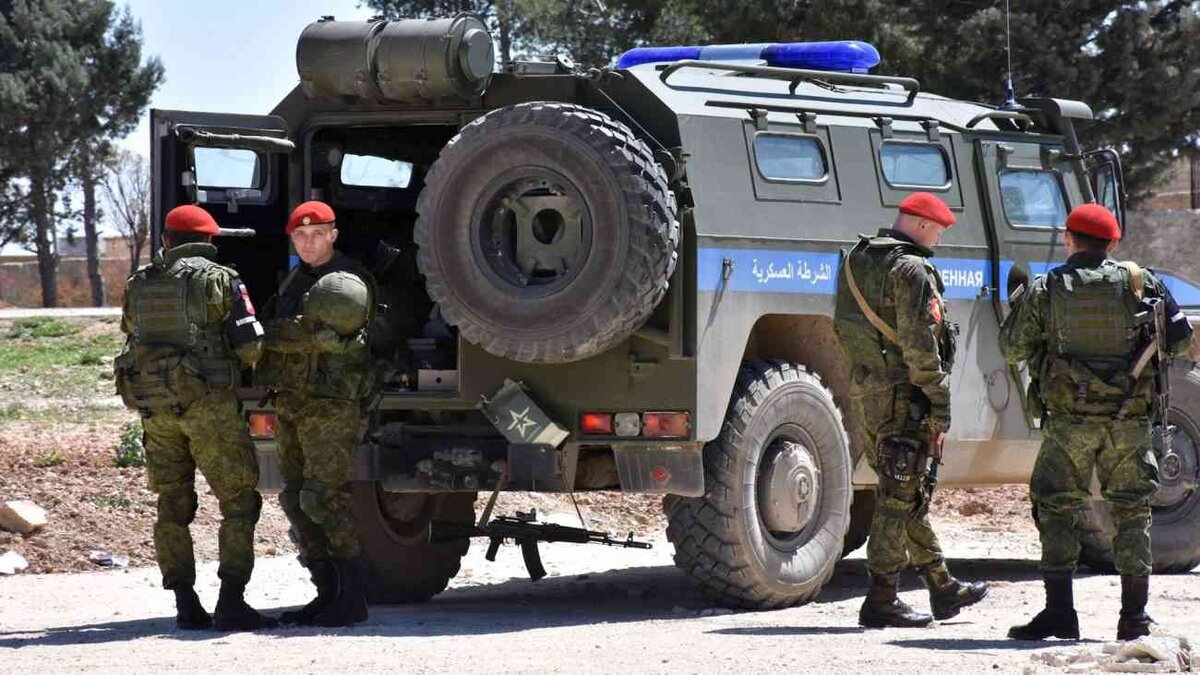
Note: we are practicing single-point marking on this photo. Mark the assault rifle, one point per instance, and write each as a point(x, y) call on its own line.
point(1156, 350)
point(526, 532)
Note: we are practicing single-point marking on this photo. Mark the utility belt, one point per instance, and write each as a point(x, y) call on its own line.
point(164, 378)
point(1094, 387)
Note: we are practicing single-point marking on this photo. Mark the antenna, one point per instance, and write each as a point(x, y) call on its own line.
point(1010, 98)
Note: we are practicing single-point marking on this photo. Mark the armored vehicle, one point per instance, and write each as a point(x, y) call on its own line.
point(623, 279)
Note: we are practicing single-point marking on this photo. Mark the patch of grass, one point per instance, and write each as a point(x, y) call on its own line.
point(129, 449)
point(53, 457)
point(86, 412)
point(41, 327)
point(65, 350)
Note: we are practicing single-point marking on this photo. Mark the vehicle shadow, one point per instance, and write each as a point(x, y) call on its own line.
point(617, 596)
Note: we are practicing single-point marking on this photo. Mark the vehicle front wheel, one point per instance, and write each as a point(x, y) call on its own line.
point(771, 524)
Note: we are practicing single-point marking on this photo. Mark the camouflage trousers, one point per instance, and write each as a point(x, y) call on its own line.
point(210, 435)
point(316, 439)
point(900, 534)
point(1121, 453)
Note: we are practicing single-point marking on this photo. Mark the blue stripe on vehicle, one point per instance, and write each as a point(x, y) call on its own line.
point(293, 260)
point(814, 273)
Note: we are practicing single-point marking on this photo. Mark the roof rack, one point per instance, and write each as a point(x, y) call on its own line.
point(794, 76)
point(1022, 120)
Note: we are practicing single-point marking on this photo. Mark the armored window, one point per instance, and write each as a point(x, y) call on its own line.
point(372, 171)
point(227, 168)
point(920, 165)
point(1033, 198)
point(790, 157)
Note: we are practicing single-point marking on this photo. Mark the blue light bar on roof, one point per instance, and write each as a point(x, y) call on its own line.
point(844, 55)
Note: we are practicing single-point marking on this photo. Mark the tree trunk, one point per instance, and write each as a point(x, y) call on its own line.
point(502, 18)
point(138, 242)
point(91, 237)
point(41, 212)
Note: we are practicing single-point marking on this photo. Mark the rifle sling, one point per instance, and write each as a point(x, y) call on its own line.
point(879, 324)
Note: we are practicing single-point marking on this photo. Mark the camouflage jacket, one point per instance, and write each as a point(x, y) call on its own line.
point(902, 286)
point(1085, 386)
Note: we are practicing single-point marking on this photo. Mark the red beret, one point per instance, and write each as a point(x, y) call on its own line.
point(309, 213)
point(189, 218)
point(925, 205)
point(1094, 220)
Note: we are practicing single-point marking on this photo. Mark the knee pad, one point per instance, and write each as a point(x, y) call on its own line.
point(177, 507)
point(312, 501)
point(246, 504)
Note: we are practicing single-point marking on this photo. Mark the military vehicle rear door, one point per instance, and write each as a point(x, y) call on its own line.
point(236, 168)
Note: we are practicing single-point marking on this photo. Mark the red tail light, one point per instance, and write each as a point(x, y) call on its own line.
point(596, 424)
point(666, 425)
point(262, 425)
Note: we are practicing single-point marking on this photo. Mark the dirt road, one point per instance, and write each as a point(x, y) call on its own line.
point(605, 610)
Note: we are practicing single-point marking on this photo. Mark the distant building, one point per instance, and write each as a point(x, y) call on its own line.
point(1179, 189)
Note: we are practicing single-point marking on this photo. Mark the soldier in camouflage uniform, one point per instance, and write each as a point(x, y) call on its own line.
point(1079, 328)
point(191, 328)
point(319, 368)
point(891, 322)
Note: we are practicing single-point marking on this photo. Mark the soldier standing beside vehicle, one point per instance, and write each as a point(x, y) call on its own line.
point(891, 321)
point(191, 328)
point(319, 369)
point(1080, 328)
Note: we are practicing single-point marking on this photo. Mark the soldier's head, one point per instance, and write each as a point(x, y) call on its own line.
point(1091, 228)
point(924, 217)
point(313, 230)
point(188, 224)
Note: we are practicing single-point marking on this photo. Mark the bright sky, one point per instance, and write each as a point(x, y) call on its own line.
point(226, 55)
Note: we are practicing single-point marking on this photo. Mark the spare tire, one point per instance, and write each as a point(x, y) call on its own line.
point(547, 232)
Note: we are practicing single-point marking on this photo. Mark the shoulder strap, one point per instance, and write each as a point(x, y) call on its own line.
point(1137, 279)
point(879, 324)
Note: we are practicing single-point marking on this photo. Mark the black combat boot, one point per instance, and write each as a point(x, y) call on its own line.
point(189, 613)
point(947, 595)
point(882, 608)
point(348, 605)
point(324, 577)
point(1058, 619)
point(233, 614)
point(1134, 622)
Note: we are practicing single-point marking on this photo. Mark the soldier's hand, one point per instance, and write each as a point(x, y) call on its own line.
point(936, 443)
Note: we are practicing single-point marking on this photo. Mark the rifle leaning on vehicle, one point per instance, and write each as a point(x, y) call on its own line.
point(526, 532)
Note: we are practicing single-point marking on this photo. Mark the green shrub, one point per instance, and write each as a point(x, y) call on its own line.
point(53, 457)
point(130, 451)
point(42, 327)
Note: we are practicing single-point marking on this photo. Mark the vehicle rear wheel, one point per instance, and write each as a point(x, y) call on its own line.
point(394, 531)
point(1175, 533)
point(546, 232)
point(771, 524)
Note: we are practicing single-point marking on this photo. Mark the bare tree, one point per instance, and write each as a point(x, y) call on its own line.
point(127, 192)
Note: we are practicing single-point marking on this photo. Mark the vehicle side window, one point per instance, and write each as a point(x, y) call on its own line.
point(790, 157)
point(373, 171)
point(1033, 198)
point(227, 168)
point(912, 165)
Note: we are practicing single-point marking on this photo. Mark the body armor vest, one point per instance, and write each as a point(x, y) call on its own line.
point(1092, 335)
point(348, 374)
point(174, 355)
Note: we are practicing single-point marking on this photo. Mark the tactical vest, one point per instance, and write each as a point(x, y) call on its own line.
point(348, 375)
point(1092, 335)
point(174, 355)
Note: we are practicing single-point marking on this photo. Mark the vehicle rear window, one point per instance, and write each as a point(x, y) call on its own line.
point(227, 168)
point(372, 171)
point(1033, 198)
point(789, 157)
point(914, 165)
